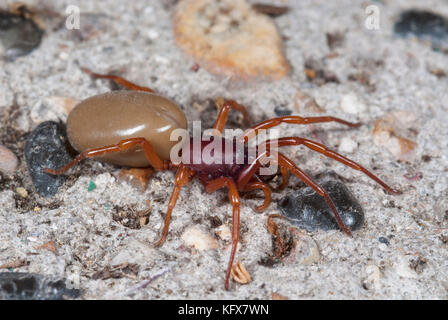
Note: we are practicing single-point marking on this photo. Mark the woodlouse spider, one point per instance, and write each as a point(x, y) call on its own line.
point(118, 126)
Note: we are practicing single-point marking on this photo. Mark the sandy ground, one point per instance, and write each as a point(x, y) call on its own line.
point(135, 38)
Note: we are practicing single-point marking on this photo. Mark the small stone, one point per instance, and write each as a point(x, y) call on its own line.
point(22, 192)
point(8, 161)
point(424, 25)
point(350, 103)
point(306, 209)
point(347, 145)
point(32, 286)
point(281, 112)
point(65, 103)
point(18, 35)
point(304, 103)
point(230, 38)
point(223, 232)
point(305, 250)
point(383, 240)
point(195, 237)
point(46, 148)
point(373, 276)
point(277, 296)
point(389, 132)
point(403, 268)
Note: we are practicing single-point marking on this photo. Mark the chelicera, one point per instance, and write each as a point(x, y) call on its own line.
point(132, 128)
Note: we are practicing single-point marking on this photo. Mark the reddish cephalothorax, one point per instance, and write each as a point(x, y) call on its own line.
point(118, 135)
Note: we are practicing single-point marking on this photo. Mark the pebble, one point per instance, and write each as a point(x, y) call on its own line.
point(32, 286)
point(306, 209)
point(195, 237)
point(373, 276)
point(305, 250)
point(224, 232)
point(18, 35)
point(8, 161)
point(22, 192)
point(389, 132)
point(350, 103)
point(403, 269)
point(281, 112)
point(230, 38)
point(348, 145)
point(46, 148)
point(424, 25)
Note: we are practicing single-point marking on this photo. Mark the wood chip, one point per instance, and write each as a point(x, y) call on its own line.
point(240, 274)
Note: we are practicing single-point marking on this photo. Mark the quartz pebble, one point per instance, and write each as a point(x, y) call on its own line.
point(195, 237)
point(348, 145)
point(350, 103)
point(306, 209)
point(8, 161)
point(390, 131)
point(230, 38)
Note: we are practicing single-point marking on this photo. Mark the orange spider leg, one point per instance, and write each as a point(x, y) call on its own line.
point(285, 178)
point(266, 190)
point(293, 120)
point(123, 145)
point(235, 201)
point(183, 177)
point(224, 108)
point(118, 80)
point(288, 164)
point(294, 141)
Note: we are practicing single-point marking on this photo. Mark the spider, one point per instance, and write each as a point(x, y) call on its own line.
point(236, 176)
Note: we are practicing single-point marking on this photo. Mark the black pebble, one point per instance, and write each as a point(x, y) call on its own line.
point(383, 240)
point(282, 112)
point(18, 35)
point(46, 147)
point(31, 286)
point(425, 25)
point(308, 210)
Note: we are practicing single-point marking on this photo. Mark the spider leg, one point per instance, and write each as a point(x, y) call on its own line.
point(183, 177)
point(288, 164)
point(285, 178)
point(253, 131)
point(224, 108)
point(123, 145)
point(255, 185)
point(118, 80)
point(318, 147)
point(235, 201)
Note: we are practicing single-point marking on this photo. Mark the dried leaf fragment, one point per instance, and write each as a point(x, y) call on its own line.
point(240, 274)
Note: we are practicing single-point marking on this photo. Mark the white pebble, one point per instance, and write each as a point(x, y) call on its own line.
point(195, 237)
point(8, 161)
point(351, 104)
point(347, 145)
